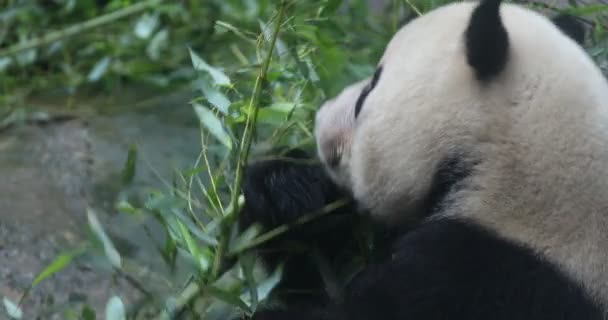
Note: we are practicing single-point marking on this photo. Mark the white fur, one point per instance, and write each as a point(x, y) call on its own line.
point(540, 130)
point(334, 129)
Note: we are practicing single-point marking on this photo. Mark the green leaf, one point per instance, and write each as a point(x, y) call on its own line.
point(128, 173)
point(270, 116)
point(219, 77)
point(158, 42)
point(193, 247)
point(5, 62)
point(223, 26)
point(109, 249)
point(586, 10)
point(213, 124)
point(12, 309)
point(169, 251)
point(99, 69)
point(115, 309)
point(269, 283)
point(125, 207)
point(247, 264)
point(26, 57)
point(215, 97)
point(281, 47)
point(62, 261)
point(228, 297)
point(245, 238)
point(88, 313)
point(266, 286)
point(205, 236)
point(164, 202)
point(275, 114)
point(330, 6)
point(146, 25)
point(285, 107)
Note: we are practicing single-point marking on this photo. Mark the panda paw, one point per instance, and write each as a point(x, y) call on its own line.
point(280, 191)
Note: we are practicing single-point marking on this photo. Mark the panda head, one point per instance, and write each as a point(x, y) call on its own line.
point(460, 91)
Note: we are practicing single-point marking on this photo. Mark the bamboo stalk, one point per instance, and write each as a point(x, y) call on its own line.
point(244, 148)
point(193, 289)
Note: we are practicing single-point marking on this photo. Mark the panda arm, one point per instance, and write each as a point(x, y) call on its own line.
point(279, 192)
point(449, 269)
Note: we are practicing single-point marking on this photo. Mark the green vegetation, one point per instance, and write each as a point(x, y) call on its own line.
point(260, 70)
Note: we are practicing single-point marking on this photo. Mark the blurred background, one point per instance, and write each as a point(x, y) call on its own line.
point(123, 127)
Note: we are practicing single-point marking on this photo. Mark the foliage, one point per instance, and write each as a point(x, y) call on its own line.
point(281, 58)
point(276, 75)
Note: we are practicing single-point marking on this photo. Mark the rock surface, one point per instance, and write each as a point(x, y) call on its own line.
point(52, 172)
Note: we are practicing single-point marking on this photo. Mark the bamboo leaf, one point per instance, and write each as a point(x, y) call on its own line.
point(193, 247)
point(219, 77)
point(88, 313)
point(115, 309)
point(213, 124)
point(12, 309)
point(62, 261)
point(586, 10)
point(109, 249)
point(227, 297)
point(247, 265)
point(216, 98)
point(146, 25)
point(128, 172)
point(158, 42)
point(99, 70)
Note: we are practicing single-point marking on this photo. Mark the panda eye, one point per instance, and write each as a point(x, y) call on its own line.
point(365, 92)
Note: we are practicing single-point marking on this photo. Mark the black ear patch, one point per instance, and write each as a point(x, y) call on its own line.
point(487, 41)
point(571, 26)
point(366, 90)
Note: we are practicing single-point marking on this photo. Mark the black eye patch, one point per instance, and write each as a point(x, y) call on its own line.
point(368, 88)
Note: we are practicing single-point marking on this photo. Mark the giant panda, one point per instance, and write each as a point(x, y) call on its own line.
point(485, 131)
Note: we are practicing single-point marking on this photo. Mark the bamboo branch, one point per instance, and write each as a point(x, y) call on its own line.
point(244, 148)
point(265, 237)
point(78, 28)
point(193, 289)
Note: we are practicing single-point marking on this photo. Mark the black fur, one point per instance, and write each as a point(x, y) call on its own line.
point(487, 41)
point(450, 176)
point(571, 26)
point(449, 269)
point(441, 269)
point(365, 92)
point(279, 192)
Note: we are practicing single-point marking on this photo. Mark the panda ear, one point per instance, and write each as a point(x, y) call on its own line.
point(571, 26)
point(487, 41)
